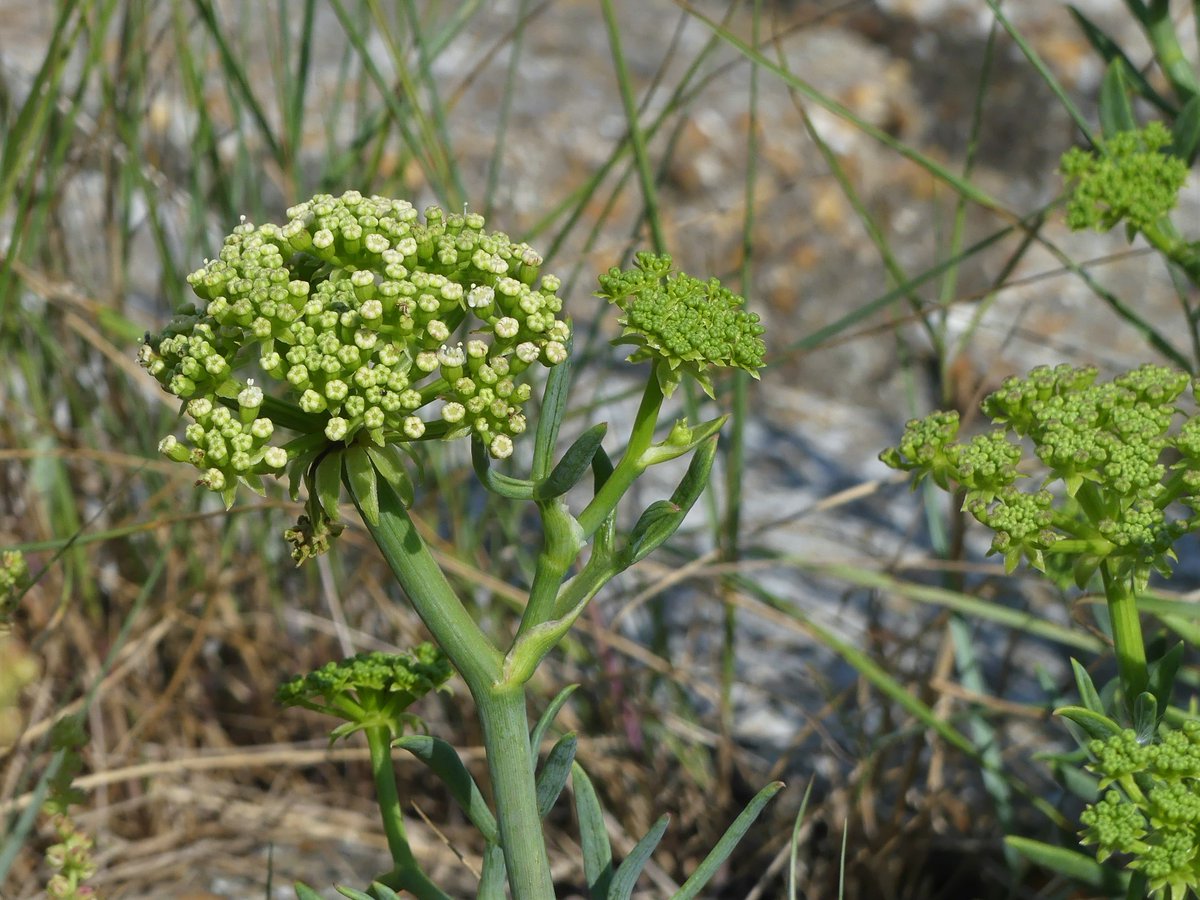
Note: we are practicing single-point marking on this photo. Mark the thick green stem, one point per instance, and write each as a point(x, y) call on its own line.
point(560, 548)
point(1127, 632)
point(468, 648)
point(630, 466)
point(510, 761)
point(406, 873)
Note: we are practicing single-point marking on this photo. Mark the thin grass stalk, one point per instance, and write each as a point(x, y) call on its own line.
point(636, 136)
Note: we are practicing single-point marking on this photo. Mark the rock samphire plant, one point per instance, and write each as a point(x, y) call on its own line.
point(361, 331)
point(1113, 482)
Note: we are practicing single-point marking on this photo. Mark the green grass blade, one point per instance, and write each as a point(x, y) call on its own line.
point(636, 135)
point(725, 846)
point(794, 843)
point(1043, 71)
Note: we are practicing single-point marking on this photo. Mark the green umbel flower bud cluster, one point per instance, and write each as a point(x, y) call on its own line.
point(374, 327)
point(1129, 179)
point(14, 576)
point(1106, 488)
point(369, 689)
point(1152, 808)
point(71, 860)
point(689, 324)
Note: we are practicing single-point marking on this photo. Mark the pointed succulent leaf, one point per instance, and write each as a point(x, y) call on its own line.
point(1145, 716)
point(554, 407)
point(327, 481)
point(554, 773)
point(625, 879)
point(360, 478)
point(1162, 677)
point(662, 518)
point(1116, 112)
point(573, 465)
point(390, 464)
point(546, 719)
point(1096, 725)
point(493, 878)
point(1070, 864)
point(1185, 132)
point(443, 760)
point(593, 835)
point(1088, 694)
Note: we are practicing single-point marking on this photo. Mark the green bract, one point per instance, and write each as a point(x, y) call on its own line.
point(1152, 810)
point(370, 689)
point(1103, 449)
point(354, 323)
point(687, 323)
point(1129, 179)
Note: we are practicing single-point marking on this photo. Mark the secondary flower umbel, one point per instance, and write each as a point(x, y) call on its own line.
point(686, 323)
point(354, 323)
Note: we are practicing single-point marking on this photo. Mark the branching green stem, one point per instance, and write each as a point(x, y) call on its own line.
point(468, 648)
point(630, 466)
point(560, 548)
point(1127, 632)
point(501, 704)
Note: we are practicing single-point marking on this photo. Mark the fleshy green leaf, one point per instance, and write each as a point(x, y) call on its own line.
point(494, 877)
point(1094, 724)
point(1070, 864)
point(1145, 717)
point(625, 879)
point(328, 483)
point(547, 718)
point(555, 772)
point(1161, 680)
point(304, 892)
point(1088, 694)
point(554, 407)
point(360, 475)
point(1116, 113)
point(390, 464)
point(593, 835)
point(443, 760)
point(662, 518)
point(1185, 131)
point(573, 465)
